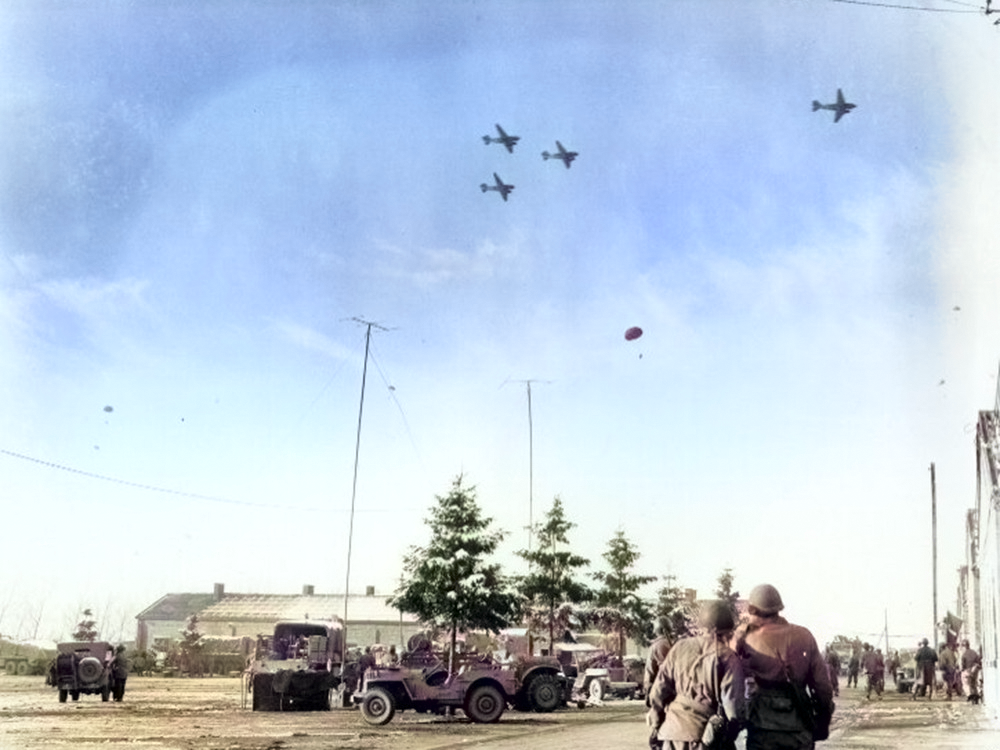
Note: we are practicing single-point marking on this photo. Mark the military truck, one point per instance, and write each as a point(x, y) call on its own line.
point(83, 667)
point(300, 667)
point(481, 689)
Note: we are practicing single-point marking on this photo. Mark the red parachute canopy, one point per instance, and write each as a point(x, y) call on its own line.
point(633, 333)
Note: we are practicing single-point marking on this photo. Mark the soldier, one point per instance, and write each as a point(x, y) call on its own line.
point(853, 668)
point(784, 663)
point(874, 667)
point(948, 661)
point(893, 667)
point(119, 674)
point(657, 653)
point(833, 665)
point(971, 665)
point(700, 679)
point(925, 659)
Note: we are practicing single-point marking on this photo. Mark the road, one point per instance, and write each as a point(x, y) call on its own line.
point(206, 714)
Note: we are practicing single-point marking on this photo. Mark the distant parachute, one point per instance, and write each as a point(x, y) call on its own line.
point(633, 333)
point(109, 409)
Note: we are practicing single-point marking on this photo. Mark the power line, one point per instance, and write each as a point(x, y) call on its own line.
point(896, 6)
point(168, 491)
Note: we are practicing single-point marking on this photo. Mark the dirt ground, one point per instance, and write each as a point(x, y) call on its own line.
point(207, 714)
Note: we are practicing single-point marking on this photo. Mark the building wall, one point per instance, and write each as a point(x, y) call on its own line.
point(987, 616)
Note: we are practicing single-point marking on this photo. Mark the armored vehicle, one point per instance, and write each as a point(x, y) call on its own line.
point(299, 667)
point(481, 689)
point(83, 667)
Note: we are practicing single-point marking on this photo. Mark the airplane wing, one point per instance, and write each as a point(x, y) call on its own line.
point(500, 131)
point(840, 98)
point(499, 181)
point(840, 113)
point(562, 151)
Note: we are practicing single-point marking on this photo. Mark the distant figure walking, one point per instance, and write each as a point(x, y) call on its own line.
point(972, 665)
point(119, 674)
point(833, 665)
point(853, 668)
point(948, 661)
point(925, 659)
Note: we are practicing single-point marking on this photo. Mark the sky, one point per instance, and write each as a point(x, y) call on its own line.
point(202, 206)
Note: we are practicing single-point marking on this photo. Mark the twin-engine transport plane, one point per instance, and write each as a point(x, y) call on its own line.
point(507, 140)
point(566, 156)
point(841, 107)
point(500, 187)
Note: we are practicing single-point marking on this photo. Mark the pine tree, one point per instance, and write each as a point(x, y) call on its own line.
point(619, 608)
point(550, 591)
point(85, 629)
point(725, 592)
point(675, 615)
point(192, 646)
point(449, 583)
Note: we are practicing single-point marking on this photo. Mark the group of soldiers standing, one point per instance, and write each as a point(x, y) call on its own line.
point(959, 672)
point(767, 677)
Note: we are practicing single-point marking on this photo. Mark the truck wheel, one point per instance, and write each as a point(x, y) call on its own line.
point(378, 707)
point(484, 704)
point(264, 698)
point(63, 695)
point(22, 668)
point(545, 694)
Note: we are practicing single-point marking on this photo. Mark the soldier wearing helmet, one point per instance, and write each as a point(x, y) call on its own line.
point(657, 653)
point(971, 665)
point(926, 658)
point(700, 678)
point(791, 702)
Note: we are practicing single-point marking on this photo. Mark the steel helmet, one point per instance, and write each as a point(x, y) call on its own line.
point(717, 615)
point(766, 599)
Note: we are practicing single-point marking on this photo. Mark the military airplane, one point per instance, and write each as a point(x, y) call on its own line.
point(841, 107)
point(500, 187)
point(507, 140)
point(566, 156)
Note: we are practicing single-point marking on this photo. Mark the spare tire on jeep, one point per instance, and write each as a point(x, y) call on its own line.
point(90, 669)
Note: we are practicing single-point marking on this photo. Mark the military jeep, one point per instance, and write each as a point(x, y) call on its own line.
point(83, 667)
point(481, 689)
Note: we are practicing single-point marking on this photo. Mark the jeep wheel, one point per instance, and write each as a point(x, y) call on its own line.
point(545, 694)
point(484, 704)
point(63, 695)
point(595, 689)
point(378, 707)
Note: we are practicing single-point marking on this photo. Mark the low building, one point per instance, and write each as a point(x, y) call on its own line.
point(369, 619)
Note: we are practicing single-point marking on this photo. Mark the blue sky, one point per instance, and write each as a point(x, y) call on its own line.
point(195, 202)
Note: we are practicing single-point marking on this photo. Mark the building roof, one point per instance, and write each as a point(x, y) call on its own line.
point(252, 607)
point(176, 606)
point(273, 607)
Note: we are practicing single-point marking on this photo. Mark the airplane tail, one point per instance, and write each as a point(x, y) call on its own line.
point(484, 187)
point(546, 155)
point(487, 140)
point(816, 105)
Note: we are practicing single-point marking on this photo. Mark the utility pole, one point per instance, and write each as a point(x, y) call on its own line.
point(934, 550)
point(357, 448)
point(531, 461)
